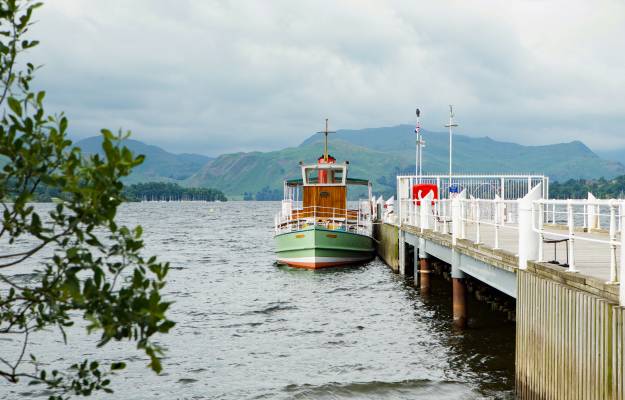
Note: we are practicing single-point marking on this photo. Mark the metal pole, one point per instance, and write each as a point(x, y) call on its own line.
point(571, 226)
point(622, 257)
point(541, 233)
point(420, 144)
point(477, 222)
point(325, 153)
point(451, 125)
point(613, 206)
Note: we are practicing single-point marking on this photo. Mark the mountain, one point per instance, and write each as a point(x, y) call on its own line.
point(251, 172)
point(159, 165)
point(379, 154)
point(617, 155)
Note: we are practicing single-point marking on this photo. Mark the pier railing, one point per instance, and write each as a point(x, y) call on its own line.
point(587, 232)
point(488, 187)
point(349, 220)
point(592, 220)
point(478, 186)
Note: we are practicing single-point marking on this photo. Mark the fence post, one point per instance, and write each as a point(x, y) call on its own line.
point(463, 222)
point(541, 233)
point(496, 219)
point(593, 217)
point(445, 216)
point(571, 224)
point(622, 260)
point(425, 211)
point(398, 211)
point(456, 219)
point(613, 206)
point(528, 238)
point(477, 222)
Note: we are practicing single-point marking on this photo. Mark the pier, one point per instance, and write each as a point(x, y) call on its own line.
point(561, 260)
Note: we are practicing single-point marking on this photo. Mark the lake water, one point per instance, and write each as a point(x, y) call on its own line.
point(249, 329)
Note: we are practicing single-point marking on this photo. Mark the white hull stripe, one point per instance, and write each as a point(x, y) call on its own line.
point(323, 259)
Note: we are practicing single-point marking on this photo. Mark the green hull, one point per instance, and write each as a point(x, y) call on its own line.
point(318, 247)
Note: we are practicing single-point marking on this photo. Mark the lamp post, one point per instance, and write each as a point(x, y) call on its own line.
point(451, 125)
point(419, 149)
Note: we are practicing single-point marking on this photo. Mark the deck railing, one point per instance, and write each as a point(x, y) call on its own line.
point(537, 223)
point(349, 220)
point(595, 221)
point(488, 187)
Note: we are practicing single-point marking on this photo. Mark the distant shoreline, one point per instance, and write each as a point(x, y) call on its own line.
point(149, 191)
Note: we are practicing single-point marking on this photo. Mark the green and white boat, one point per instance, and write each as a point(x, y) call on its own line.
point(320, 230)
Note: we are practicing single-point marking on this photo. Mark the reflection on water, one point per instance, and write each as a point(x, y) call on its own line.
point(248, 329)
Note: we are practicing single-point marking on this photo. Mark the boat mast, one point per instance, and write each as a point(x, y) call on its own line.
point(325, 149)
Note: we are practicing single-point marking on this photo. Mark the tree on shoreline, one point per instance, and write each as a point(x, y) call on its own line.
point(96, 270)
point(162, 191)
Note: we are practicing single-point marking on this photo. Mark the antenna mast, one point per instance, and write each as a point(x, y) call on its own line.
point(451, 125)
point(325, 149)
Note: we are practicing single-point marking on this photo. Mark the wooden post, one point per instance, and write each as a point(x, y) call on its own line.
point(424, 274)
point(459, 292)
point(459, 303)
point(402, 252)
point(415, 267)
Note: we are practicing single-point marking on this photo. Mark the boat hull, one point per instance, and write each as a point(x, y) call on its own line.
point(316, 247)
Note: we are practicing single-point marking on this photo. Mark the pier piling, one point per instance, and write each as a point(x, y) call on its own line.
point(459, 302)
point(424, 274)
point(459, 296)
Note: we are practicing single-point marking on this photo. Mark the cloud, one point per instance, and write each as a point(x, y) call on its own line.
point(217, 76)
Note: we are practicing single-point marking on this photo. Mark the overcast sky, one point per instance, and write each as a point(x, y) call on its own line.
point(220, 76)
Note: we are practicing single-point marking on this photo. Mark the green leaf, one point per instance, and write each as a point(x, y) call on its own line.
point(40, 96)
point(108, 135)
point(15, 106)
point(116, 366)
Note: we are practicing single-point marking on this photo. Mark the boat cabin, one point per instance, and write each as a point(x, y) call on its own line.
point(323, 189)
point(325, 185)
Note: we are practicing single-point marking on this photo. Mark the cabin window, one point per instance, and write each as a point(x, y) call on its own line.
point(312, 175)
point(337, 176)
point(332, 176)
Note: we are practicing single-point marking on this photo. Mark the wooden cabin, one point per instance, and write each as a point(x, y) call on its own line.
point(324, 192)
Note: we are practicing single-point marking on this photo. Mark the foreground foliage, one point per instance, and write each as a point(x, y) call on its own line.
point(82, 263)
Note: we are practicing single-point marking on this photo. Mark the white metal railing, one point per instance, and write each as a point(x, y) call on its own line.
point(496, 213)
point(473, 214)
point(506, 187)
point(536, 222)
point(478, 186)
point(350, 220)
point(577, 220)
